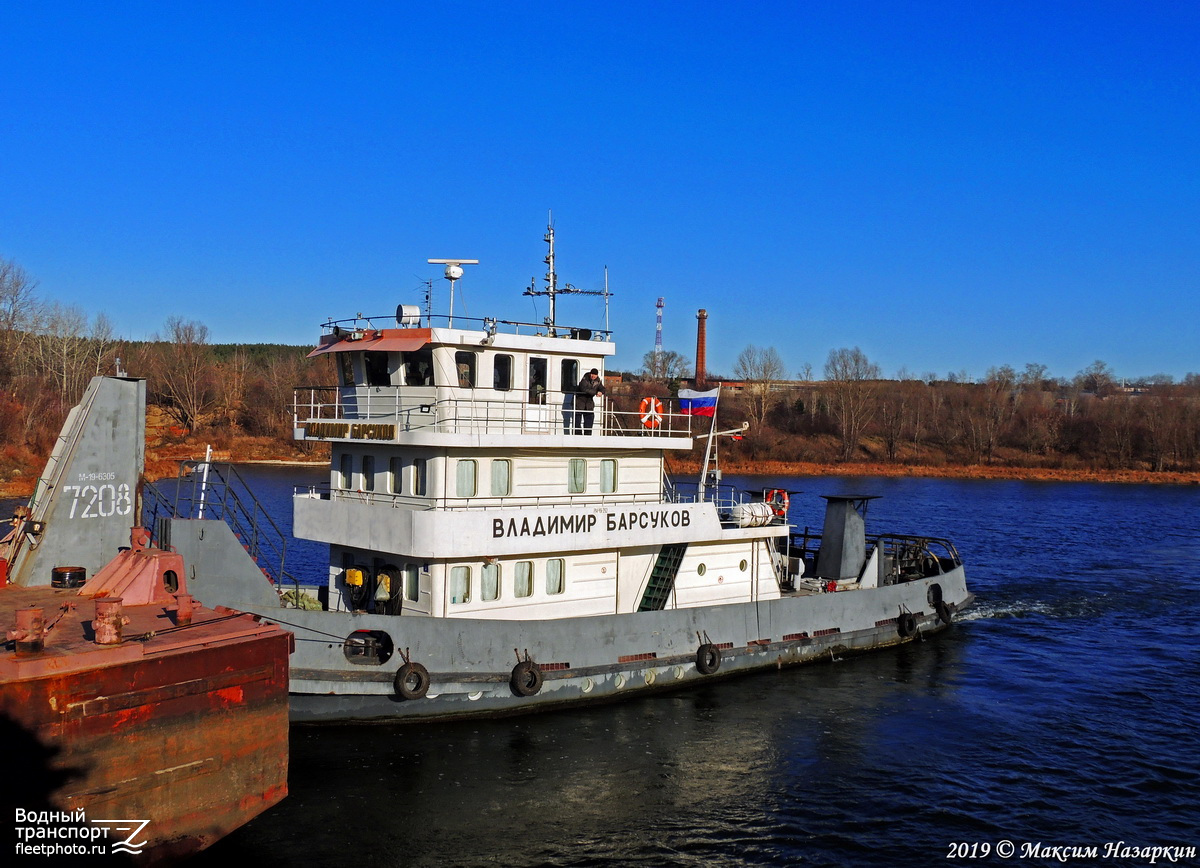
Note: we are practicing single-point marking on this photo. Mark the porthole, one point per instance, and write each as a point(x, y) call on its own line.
point(588, 685)
point(701, 570)
point(742, 565)
point(620, 681)
point(650, 676)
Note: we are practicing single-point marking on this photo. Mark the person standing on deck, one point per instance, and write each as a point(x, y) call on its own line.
point(585, 404)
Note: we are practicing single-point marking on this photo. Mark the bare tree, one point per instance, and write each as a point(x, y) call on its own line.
point(852, 389)
point(183, 362)
point(667, 365)
point(20, 318)
point(761, 370)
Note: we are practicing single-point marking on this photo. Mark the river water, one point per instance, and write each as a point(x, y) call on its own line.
point(1062, 711)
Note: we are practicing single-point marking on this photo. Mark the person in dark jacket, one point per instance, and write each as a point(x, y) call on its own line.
point(585, 401)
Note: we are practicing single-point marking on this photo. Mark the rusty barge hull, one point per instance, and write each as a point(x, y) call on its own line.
point(182, 726)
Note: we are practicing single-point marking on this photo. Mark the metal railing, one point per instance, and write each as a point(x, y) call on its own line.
point(483, 501)
point(223, 495)
point(396, 405)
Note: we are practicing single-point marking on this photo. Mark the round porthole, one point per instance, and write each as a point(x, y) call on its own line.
point(742, 565)
point(701, 570)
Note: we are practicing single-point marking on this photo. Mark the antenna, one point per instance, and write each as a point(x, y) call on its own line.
point(452, 273)
point(658, 351)
point(553, 289)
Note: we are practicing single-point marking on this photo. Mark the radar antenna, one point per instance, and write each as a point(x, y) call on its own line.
point(452, 273)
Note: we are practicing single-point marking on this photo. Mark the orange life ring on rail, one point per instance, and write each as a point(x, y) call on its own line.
point(779, 501)
point(651, 409)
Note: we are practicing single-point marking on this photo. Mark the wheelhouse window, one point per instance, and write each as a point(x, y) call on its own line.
point(577, 476)
point(420, 476)
point(375, 366)
point(523, 578)
point(554, 576)
point(368, 473)
point(502, 367)
point(537, 381)
point(570, 375)
point(465, 472)
point(396, 473)
point(418, 367)
point(346, 368)
point(501, 477)
point(490, 582)
point(608, 475)
point(464, 364)
point(460, 584)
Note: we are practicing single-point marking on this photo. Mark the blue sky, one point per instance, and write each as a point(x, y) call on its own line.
point(949, 186)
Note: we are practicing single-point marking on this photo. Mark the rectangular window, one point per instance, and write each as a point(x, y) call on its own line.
point(554, 576)
point(502, 373)
point(608, 475)
point(490, 589)
point(537, 381)
point(347, 473)
point(396, 472)
point(465, 478)
point(376, 368)
point(523, 578)
point(501, 477)
point(570, 375)
point(464, 363)
point(420, 476)
point(346, 368)
point(368, 472)
point(418, 367)
point(460, 584)
point(412, 586)
point(577, 476)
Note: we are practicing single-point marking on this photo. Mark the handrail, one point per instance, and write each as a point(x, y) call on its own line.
point(488, 324)
point(415, 412)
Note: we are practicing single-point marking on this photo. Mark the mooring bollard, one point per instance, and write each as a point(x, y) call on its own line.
point(30, 633)
point(110, 618)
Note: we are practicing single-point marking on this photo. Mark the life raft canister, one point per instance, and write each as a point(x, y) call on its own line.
point(651, 409)
point(779, 501)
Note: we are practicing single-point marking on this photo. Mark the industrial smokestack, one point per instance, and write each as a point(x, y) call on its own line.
point(701, 347)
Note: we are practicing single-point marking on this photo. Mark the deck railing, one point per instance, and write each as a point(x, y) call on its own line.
point(553, 413)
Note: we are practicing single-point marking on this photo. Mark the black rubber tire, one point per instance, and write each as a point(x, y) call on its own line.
point(906, 624)
point(411, 681)
point(944, 613)
point(708, 658)
point(526, 678)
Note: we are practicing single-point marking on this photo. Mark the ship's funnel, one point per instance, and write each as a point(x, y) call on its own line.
point(844, 537)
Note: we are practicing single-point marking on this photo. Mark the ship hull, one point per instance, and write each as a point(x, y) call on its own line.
point(596, 659)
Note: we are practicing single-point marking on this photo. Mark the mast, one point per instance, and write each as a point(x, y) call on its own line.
point(553, 290)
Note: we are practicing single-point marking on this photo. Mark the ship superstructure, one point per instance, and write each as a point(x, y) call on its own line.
point(502, 538)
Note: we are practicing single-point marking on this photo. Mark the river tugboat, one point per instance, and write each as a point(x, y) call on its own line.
point(495, 549)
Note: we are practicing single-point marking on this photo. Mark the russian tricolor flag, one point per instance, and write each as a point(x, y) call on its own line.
point(693, 403)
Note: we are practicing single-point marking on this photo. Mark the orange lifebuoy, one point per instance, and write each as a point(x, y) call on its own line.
point(651, 410)
point(779, 501)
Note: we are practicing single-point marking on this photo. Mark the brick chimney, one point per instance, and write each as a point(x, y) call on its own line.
point(701, 348)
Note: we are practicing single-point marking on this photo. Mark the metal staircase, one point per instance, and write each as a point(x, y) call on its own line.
point(662, 578)
point(219, 494)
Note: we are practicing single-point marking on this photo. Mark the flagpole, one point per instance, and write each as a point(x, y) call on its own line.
point(703, 486)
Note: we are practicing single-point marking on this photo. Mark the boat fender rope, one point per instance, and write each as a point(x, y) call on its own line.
point(411, 681)
point(651, 410)
point(708, 658)
point(526, 678)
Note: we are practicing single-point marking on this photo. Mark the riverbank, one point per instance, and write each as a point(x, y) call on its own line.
point(163, 462)
point(958, 471)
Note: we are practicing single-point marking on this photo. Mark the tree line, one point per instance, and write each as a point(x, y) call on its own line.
point(1092, 420)
point(49, 352)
